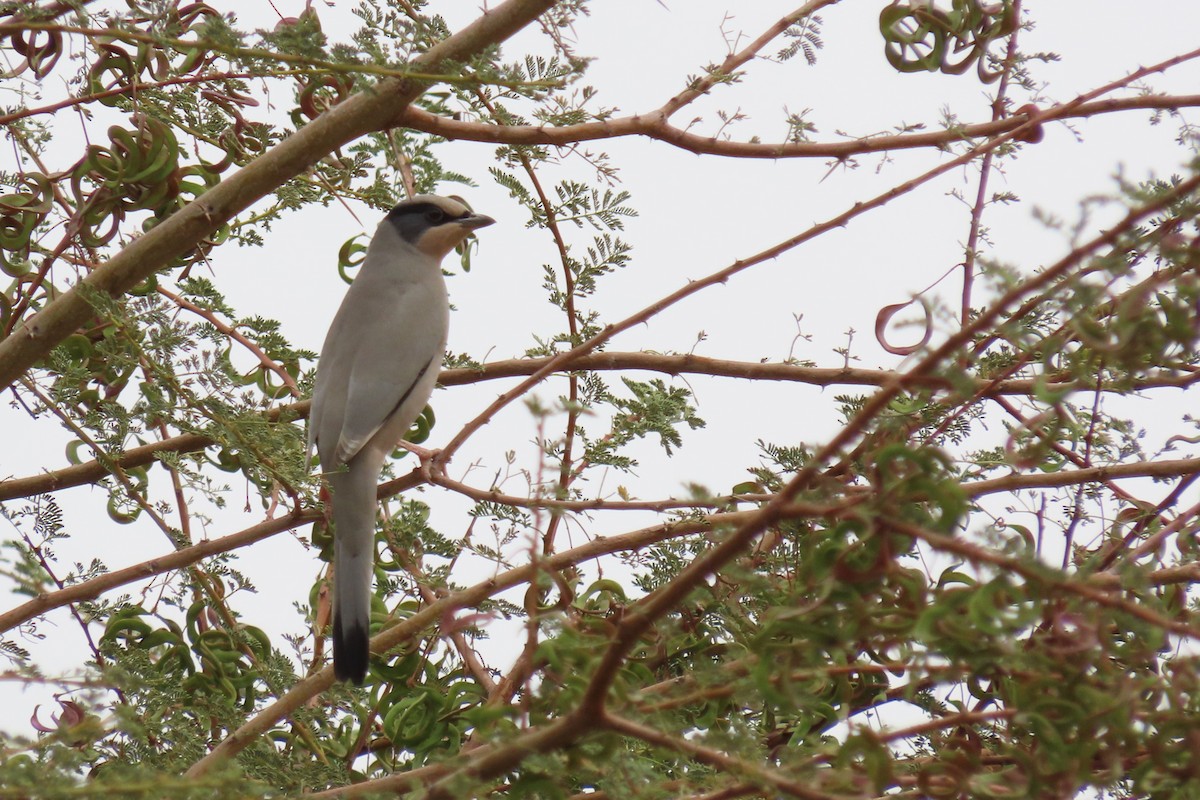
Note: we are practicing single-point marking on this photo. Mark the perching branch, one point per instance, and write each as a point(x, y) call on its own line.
point(92, 471)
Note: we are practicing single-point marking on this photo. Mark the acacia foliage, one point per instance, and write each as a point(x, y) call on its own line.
point(865, 616)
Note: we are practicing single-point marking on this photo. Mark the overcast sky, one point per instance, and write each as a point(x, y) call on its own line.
point(697, 215)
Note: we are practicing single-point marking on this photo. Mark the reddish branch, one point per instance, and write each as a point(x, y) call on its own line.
point(1099, 594)
point(643, 616)
point(180, 559)
point(170, 562)
point(406, 629)
point(233, 333)
point(999, 112)
point(92, 471)
point(777, 780)
point(654, 125)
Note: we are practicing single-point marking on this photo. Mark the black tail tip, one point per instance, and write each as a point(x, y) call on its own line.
point(351, 650)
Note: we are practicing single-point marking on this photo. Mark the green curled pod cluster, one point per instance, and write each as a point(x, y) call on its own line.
point(116, 68)
point(318, 93)
point(414, 718)
point(122, 65)
point(226, 658)
point(399, 669)
point(39, 49)
point(243, 141)
point(418, 432)
point(602, 595)
point(163, 641)
point(322, 539)
point(271, 385)
point(186, 19)
point(139, 170)
point(124, 509)
point(21, 213)
point(191, 182)
point(98, 364)
point(226, 460)
point(922, 480)
point(919, 37)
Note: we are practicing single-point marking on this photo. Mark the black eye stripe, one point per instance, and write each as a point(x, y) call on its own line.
point(414, 220)
point(421, 209)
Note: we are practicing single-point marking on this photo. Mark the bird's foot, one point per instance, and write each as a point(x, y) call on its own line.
point(432, 462)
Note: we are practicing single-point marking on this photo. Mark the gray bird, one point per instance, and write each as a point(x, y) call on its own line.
point(377, 369)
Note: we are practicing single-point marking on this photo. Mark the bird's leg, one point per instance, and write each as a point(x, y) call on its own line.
point(433, 462)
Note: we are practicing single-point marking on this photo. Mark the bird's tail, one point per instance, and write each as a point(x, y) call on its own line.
point(353, 567)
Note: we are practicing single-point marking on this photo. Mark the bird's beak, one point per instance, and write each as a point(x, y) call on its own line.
point(475, 221)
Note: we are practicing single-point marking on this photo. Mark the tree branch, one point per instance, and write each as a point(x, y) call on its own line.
point(359, 115)
point(638, 620)
point(179, 559)
point(92, 471)
point(654, 126)
point(431, 615)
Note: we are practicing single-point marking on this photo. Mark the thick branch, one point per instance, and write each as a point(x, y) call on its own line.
point(367, 111)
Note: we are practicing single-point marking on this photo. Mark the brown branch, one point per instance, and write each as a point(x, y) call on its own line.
point(985, 168)
point(410, 627)
point(92, 471)
point(1073, 477)
point(654, 126)
point(178, 559)
point(484, 763)
point(182, 80)
point(93, 588)
point(644, 615)
point(1045, 576)
point(233, 333)
point(945, 674)
point(963, 718)
point(233, 51)
point(776, 779)
point(595, 504)
point(688, 364)
point(395, 783)
point(1160, 536)
point(363, 113)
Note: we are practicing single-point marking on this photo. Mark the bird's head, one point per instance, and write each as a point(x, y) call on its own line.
point(435, 225)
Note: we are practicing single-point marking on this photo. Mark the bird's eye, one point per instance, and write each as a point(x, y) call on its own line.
point(435, 216)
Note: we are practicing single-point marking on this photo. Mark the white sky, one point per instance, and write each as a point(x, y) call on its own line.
point(698, 214)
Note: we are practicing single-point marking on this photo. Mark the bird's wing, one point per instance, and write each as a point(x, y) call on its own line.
point(392, 355)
